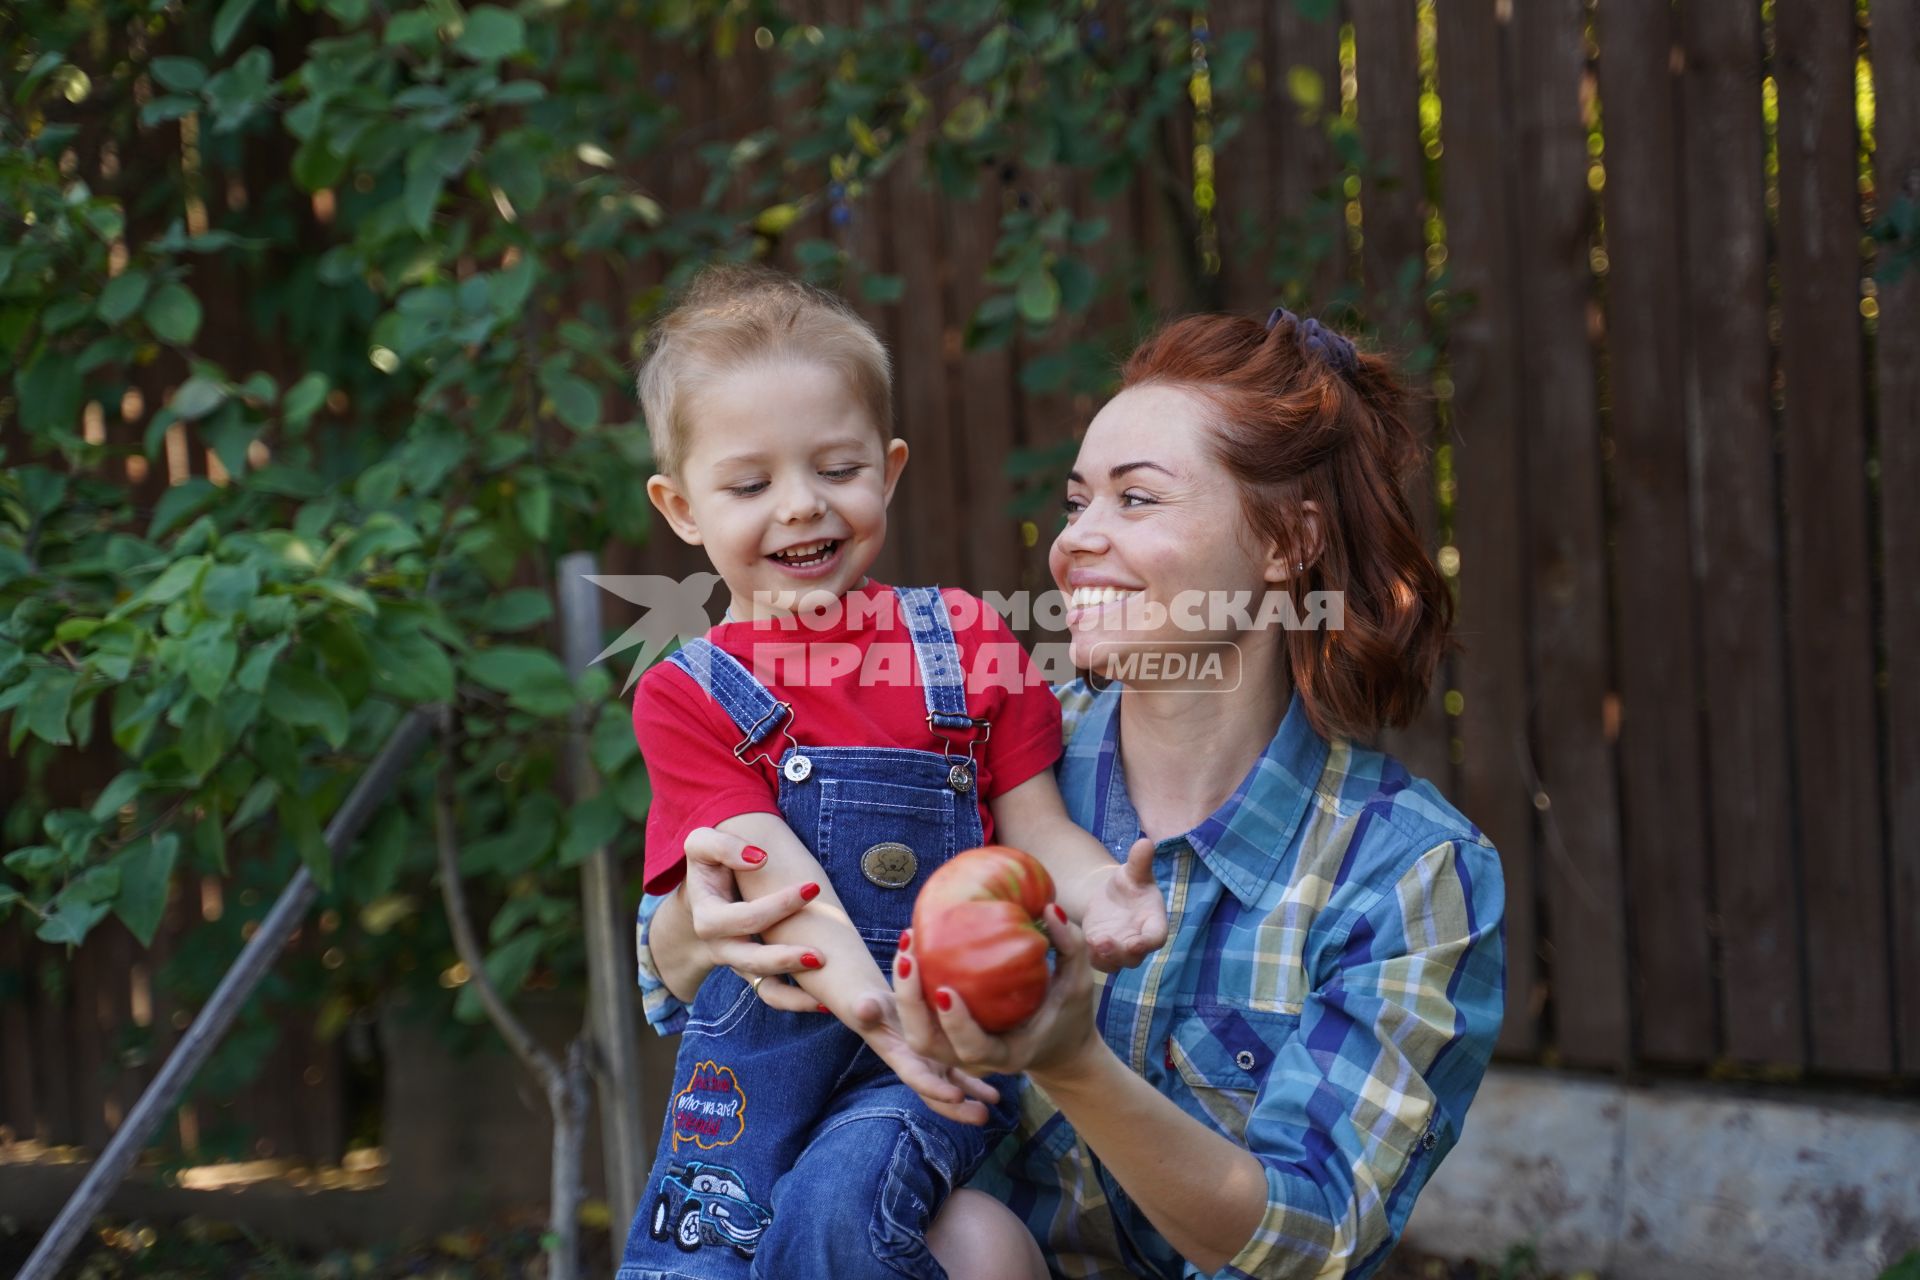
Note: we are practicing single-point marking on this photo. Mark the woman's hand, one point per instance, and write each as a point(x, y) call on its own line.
point(1053, 1039)
point(725, 926)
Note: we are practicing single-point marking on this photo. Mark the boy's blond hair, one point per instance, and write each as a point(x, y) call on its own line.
point(734, 316)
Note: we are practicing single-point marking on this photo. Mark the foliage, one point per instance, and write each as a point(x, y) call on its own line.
point(352, 252)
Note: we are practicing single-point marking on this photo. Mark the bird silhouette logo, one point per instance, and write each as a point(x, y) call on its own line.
point(673, 611)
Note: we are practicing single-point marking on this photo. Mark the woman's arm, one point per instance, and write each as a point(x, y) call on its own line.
point(1205, 1193)
point(1353, 1114)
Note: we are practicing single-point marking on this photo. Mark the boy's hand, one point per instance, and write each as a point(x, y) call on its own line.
point(946, 1090)
point(1126, 919)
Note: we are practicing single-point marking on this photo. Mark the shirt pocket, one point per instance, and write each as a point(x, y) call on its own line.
point(878, 842)
point(1222, 1057)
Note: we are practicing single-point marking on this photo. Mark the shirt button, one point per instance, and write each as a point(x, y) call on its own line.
point(1244, 1059)
point(797, 768)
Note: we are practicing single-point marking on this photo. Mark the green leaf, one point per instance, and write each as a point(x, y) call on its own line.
point(507, 968)
point(884, 289)
point(228, 589)
point(45, 710)
point(515, 610)
point(533, 503)
point(415, 26)
point(350, 12)
point(125, 787)
point(302, 826)
point(174, 581)
point(202, 738)
point(633, 791)
point(410, 667)
point(590, 825)
point(123, 296)
point(259, 798)
point(532, 679)
point(304, 398)
point(259, 664)
point(146, 868)
point(227, 22)
point(302, 699)
point(491, 33)
point(50, 393)
point(173, 313)
point(68, 921)
point(574, 399)
point(197, 397)
point(612, 744)
point(317, 166)
point(1039, 296)
point(210, 654)
point(421, 193)
point(182, 75)
point(372, 866)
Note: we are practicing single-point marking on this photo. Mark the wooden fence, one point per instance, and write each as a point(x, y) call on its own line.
point(1677, 428)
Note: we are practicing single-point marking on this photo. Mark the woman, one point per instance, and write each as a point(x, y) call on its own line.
point(1265, 1095)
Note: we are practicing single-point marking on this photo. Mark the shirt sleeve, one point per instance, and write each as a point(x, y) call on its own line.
point(1026, 724)
point(666, 1012)
point(1361, 1105)
point(687, 743)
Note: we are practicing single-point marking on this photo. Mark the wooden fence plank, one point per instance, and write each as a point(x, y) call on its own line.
point(1495, 788)
point(1304, 51)
point(1656, 635)
point(925, 501)
point(19, 1106)
point(980, 385)
point(1246, 212)
point(1393, 249)
point(1829, 593)
point(1730, 425)
point(1578, 797)
point(1896, 74)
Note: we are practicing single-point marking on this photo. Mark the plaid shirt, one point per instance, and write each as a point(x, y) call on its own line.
point(1328, 998)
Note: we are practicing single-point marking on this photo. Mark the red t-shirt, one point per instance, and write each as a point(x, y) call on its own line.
point(852, 684)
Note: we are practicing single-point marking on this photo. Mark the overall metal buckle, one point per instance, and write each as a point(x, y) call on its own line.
point(960, 773)
point(797, 768)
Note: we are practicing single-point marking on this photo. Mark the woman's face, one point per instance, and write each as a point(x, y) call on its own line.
point(1156, 556)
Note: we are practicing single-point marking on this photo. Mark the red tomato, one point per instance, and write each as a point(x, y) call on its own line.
point(976, 929)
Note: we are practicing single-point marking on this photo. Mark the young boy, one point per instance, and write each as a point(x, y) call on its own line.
point(857, 736)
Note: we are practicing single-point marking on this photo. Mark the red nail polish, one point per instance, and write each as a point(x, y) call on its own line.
point(754, 854)
point(944, 999)
point(810, 960)
point(906, 939)
point(906, 967)
point(822, 1008)
point(808, 892)
point(1059, 912)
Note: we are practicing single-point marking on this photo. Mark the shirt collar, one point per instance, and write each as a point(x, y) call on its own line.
point(1244, 842)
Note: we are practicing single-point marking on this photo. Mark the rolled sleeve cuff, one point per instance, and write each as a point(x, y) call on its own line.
point(665, 1011)
point(1293, 1242)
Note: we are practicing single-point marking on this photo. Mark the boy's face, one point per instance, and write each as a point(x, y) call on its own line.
point(786, 482)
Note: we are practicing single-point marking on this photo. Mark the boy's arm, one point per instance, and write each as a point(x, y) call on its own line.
point(846, 975)
point(1119, 904)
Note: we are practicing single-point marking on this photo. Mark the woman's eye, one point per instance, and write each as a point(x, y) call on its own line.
point(1072, 506)
point(1136, 499)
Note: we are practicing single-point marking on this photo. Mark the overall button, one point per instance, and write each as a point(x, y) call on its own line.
point(890, 865)
point(1244, 1059)
point(960, 778)
point(797, 768)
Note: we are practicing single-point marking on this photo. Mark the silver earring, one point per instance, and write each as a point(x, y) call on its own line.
point(1299, 566)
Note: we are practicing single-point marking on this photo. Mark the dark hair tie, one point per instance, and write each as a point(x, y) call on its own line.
point(1331, 346)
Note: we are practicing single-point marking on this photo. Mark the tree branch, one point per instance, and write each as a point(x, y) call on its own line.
point(453, 894)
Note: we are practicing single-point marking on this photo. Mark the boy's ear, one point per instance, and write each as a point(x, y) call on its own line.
point(667, 499)
point(896, 463)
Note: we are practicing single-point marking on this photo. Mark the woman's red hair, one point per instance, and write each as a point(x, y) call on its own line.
point(1291, 428)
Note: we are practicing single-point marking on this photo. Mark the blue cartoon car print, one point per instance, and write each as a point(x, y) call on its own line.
point(701, 1204)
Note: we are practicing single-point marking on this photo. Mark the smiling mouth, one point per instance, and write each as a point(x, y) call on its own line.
point(1096, 597)
point(810, 556)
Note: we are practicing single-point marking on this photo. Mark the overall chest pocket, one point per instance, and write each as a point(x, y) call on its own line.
point(1223, 1057)
point(878, 842)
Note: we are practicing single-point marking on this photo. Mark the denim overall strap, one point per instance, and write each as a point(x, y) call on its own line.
point(935, 649)
point(756, 712)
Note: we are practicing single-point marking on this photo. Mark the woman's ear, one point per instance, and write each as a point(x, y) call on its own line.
point(1285, 562)
point(896, 462)
point(667, 499)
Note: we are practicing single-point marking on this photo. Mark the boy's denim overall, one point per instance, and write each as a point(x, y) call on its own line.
point(791, 1151)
